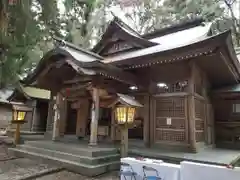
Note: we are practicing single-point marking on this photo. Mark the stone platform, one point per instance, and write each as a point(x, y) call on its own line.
point(79, 158)
point(208, 155)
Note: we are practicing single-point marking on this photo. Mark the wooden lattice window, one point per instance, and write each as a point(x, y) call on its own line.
point(170, 107)
point(176, 123)
point(169, 135)
point(199, 124)
point(199, 109)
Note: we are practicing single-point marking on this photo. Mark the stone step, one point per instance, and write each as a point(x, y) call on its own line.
point(81, 168)
point(11, 133)
point(71, 157)
point(75, 149)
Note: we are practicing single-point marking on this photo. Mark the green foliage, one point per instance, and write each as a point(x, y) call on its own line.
point(27, 28)
point(151, 15)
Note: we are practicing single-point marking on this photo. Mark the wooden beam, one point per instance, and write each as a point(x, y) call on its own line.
point(75, 87)
point(230, 67)
point(80, 79)
point(48, 67)
point(77, 96)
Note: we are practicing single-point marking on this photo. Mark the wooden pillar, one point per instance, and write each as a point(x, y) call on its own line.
point(49, 125)
point(56, 122)
point(191, 108)
point(152, 113)
point(113, 125)
point(82, 117)
point(34, 122)
point(124, 141)
point(63, 115)
point(95, 116)
point(17, 134)
point(146, 121)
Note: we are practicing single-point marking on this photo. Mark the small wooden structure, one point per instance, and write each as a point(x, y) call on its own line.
point(5, 109)
point(36, 98)
point(171, 72)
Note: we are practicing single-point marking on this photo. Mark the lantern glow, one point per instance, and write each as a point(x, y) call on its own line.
point(19, 115)
point(125, 114)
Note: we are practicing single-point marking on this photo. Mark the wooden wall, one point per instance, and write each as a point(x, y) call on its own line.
point(227, 121)
point(5, 116)
point(180, 114)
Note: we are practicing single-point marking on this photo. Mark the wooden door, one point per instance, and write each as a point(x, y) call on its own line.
point(71, 121)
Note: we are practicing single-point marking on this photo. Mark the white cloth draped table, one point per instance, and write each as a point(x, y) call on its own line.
point(166, 171)
point(198, 171)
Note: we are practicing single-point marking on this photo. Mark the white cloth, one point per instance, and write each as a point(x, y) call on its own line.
point(198, 171)
point(166, 171)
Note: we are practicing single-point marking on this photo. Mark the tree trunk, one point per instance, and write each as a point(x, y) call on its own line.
point(235, 23)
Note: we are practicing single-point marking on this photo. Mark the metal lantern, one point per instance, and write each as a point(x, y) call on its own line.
point(125, 114)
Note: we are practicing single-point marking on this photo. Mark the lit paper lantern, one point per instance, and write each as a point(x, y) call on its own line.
point(125, 114)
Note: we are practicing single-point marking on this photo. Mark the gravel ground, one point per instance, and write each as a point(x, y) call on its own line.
point(12, 168)
point(20, 168)
point(4, 153)
point(63, 175)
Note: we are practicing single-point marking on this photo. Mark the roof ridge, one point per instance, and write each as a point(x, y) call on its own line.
point(187, 24)
point(139, 37)
point(121, 22)
point(73, 46)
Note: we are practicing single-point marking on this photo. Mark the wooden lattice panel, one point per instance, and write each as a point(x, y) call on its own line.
point(199, 109)
point(176, 123)
point(199, 124)
point(170, 135)
point(170, 107)
point(200, 136)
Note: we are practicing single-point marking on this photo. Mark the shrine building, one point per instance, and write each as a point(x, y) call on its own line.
point(185, 77)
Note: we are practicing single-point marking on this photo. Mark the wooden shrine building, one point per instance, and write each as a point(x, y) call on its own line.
point(36, 98)
point(173, 72)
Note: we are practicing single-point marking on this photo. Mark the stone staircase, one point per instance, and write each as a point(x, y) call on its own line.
point(89, 161)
